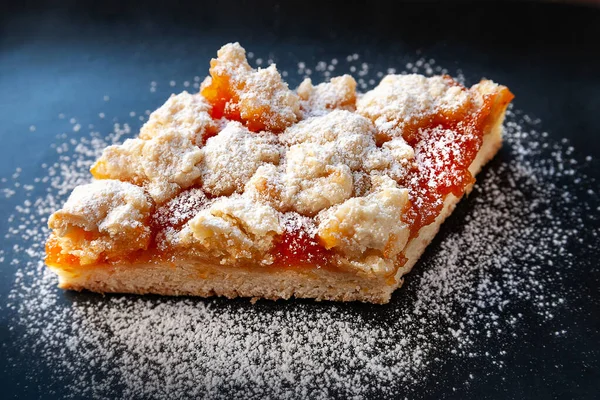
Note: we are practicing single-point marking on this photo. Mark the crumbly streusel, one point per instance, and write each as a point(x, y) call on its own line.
point(255, 152)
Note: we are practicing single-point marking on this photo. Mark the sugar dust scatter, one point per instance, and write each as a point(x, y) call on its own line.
point(463, 301)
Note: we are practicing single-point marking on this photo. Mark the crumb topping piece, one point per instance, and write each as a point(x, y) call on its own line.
point(233, 156)
point(337, 94)
point(346, 136)
point(368, 225)
point(351, 139)
point(314, 180)
point(188, 114)
point(164, 164)
point(402, 103)
point(234, 227)
point(104, 218)
point(336, 126)
point(317, 172)
point(258, 98)
point(165, 157)
point(309, 183)
point(168, 219)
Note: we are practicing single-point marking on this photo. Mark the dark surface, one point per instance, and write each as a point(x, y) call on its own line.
point(64, 59)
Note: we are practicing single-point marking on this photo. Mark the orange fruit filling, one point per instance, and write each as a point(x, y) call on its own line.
point(298, 248)
point(56, 257)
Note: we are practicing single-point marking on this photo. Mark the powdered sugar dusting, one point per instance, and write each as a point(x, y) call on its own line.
point(471, 289)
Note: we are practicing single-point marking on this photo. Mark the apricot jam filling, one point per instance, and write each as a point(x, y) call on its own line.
point(56, 257)
point(444, 169)
point(221, 95)
point(297, 248)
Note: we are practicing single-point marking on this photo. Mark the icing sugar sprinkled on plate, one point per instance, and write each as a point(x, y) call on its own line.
point(464, 300)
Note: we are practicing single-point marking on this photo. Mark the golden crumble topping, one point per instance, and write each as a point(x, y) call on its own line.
point(106, 218)
point(337, 94)
point(234, 227)
point(259, 98)
point(248, 171)
point(164, 164)
point(402, 102)
point(188, 114)
point(314, 179)
point(232, 157)
point(370, 223)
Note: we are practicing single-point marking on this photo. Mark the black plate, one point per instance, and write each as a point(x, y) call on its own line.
point(58, 63)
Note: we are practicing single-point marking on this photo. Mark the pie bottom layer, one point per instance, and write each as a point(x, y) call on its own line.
point(199, 278)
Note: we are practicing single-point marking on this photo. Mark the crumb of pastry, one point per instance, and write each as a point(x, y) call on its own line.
point(234, 227)
point(401, 103)
point(104, 218)
point(259, 98)
point(337, 94)
point(370, 223)
point(187, 113)
point(233, 156)
point(164, 164)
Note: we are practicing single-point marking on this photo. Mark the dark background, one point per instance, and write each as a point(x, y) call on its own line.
point(548, 53)
point(63, 56)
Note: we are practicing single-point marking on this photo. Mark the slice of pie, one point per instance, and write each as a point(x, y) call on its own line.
point(251, 189)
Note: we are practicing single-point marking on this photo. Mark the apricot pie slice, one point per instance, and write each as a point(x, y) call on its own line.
point(251, 189)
